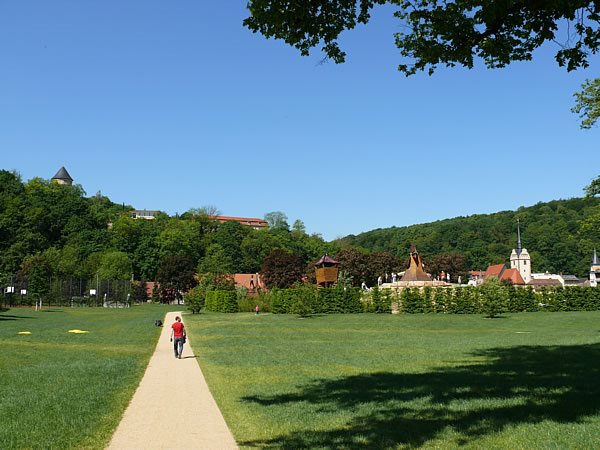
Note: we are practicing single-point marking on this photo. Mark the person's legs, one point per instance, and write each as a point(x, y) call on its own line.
point(180, 347)
point(176, 346)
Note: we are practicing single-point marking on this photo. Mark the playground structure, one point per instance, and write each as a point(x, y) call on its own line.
point(327, 271)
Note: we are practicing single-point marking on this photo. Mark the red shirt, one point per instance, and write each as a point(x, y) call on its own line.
point(177, 329)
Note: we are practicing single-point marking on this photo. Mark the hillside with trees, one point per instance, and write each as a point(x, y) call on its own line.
point(560, 236)
point(53, 233)
point(52, 230)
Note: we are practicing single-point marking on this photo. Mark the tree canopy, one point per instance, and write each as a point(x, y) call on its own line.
point(559, 235)
point(587, 103)
point(593, 189)
point(440, 32)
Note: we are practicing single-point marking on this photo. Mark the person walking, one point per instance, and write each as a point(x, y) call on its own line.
point(178, 336)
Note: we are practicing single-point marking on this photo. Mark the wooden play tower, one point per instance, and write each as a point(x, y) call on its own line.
point(327, 271)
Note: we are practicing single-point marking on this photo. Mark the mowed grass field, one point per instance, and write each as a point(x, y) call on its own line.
point(526, 380)
point(66, 390)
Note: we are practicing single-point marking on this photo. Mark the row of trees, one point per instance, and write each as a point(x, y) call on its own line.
point(50, 230)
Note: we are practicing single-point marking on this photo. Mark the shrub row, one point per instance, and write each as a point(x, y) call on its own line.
point(473, 300)
point(306, 300)
point(221, 301)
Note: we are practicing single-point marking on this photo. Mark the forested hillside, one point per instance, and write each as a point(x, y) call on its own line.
point(560, 236)
point(51, 230)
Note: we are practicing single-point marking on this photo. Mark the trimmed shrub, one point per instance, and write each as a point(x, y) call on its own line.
point(494, 297)
point(221, 301)
point(411, 300)
point(379, 301)
point(281, 301)
point(194, 299)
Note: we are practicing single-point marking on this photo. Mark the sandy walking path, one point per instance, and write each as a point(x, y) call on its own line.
point(172, 407)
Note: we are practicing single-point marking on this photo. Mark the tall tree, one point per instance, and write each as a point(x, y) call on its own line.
point(434, 32)
point(357, 265)
point(176, 275)
point(277, 220)
point(216, 261)
point(587, 103)
point(114, 265)
point(281, 269)
point(593, 189)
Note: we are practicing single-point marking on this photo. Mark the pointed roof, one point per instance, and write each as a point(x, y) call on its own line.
point(519, 246)
point(512, 276)
point(326, 259)
point(415, 271)
point(62, 174)
point(495, 271)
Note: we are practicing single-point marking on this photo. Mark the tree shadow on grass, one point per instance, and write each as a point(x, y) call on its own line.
point(11, 317)
point(520, 385)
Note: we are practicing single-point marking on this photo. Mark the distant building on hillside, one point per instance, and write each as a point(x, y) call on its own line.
point(253, 222)
point(147, 214)
point(62, 177)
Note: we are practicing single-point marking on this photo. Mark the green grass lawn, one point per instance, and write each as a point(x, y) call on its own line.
point(63, 390)
point(382, 381)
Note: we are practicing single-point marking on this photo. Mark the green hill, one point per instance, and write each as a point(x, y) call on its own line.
point(560, 236)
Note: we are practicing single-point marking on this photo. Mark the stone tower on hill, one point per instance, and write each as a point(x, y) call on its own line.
point(63, 177)
point(520, 259)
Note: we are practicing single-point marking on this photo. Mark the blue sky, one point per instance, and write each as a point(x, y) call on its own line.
point(175, 105)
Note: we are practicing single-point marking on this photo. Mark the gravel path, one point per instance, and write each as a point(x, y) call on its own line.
point(172, 407)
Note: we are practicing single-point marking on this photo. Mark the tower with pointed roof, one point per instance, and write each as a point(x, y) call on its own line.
point(594, 270)
point(520, 259)
point(63, 177)
point(414, 270)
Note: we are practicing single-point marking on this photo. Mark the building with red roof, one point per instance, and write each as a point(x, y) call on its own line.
point(253, 222)
point(499, 271)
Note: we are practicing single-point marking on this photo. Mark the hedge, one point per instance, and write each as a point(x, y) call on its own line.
point(221, 301)
point(470, 300)
point(306, 300)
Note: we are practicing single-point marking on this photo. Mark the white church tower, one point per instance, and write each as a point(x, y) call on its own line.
point(594, 270)
point(520, 259)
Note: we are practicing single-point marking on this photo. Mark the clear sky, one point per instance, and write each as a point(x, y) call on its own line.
point(175, 105)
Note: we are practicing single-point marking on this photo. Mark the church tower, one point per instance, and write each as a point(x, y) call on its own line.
point(520, 259)
point(594, 270)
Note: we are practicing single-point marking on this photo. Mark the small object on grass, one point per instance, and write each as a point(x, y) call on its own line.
point(23, 332)
point(523, 332)
point(77, 331)
point(158, 323)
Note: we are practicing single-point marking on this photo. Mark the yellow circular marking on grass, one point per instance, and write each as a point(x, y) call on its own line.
point(23, 332)
point(77, 331)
